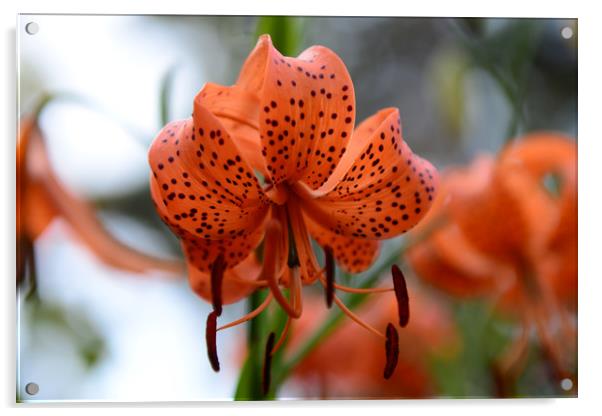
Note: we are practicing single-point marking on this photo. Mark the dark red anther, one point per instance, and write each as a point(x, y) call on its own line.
point(217, 276)
point(267, 364)
point(392, 350)
point(210, 336)
point(401, 293)
point(330, 275)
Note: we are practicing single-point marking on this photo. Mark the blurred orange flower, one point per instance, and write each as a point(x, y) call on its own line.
point(291, 120)
point(41, 198)
point(339, 368)
point(507, 236)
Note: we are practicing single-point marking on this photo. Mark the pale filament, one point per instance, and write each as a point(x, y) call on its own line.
point(358, 290)
point(251, 314)
point(307, 258)
point(282, 336)
point(357, 319)
point(273, 266)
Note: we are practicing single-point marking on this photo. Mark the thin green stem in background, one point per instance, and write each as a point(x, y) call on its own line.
point(508, 58)
point(165, 90)
point(249, 382)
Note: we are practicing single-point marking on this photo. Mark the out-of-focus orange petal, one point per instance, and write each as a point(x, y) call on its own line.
point(555, 251)
point(349, 364)
point(428, 262)
point(233, 286)
point(490, 217)
point(55, 198)
point(387, 190)
point(34, 208)
point(447, 258)
point(37, 210)
point(504, 227)
point(204, 186)
point(353, 255)
point(534, 157)
point(307, 110)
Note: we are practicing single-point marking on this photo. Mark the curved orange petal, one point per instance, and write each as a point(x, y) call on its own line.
point(447, 258)
point(490, 216)
point(358, 142)
point(307, 110)
point(386, 191)
point(205, 187)
point(34, 209)
point(201, 251)
point(353, 255)
point(535, 156)
point(234, 287)
point(431, 267)
point(512, 216)
point(238, 111)
point(555, 251)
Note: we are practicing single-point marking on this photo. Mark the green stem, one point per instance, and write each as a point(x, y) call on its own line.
point(249, 383)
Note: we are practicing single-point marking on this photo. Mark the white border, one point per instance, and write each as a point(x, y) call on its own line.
point(590, 274)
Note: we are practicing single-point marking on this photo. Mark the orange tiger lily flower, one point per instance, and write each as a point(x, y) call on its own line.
point(291, 120)
point(339, 368)
point(508, 237)
point(41, 198)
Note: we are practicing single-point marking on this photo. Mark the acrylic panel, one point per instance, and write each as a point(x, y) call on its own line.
point(266, 208)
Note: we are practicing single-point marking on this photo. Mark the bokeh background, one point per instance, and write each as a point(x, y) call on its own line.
point(463, 87)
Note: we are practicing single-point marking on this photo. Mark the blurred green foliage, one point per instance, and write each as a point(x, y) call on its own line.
point(507, 55)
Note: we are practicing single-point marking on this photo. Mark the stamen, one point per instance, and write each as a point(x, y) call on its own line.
point(293, 257)
point(291, 310)
point(251, 314)
point(282, 336)
point(392, 350)
point(330, 275)
point(356, 318)
point(307, 258)
point(296, 285)
point(267, 364)
point(217, 277)
point(401, 294)
point(210, 336)
point(271, 267)
point(367, 290)
point(363, 290)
